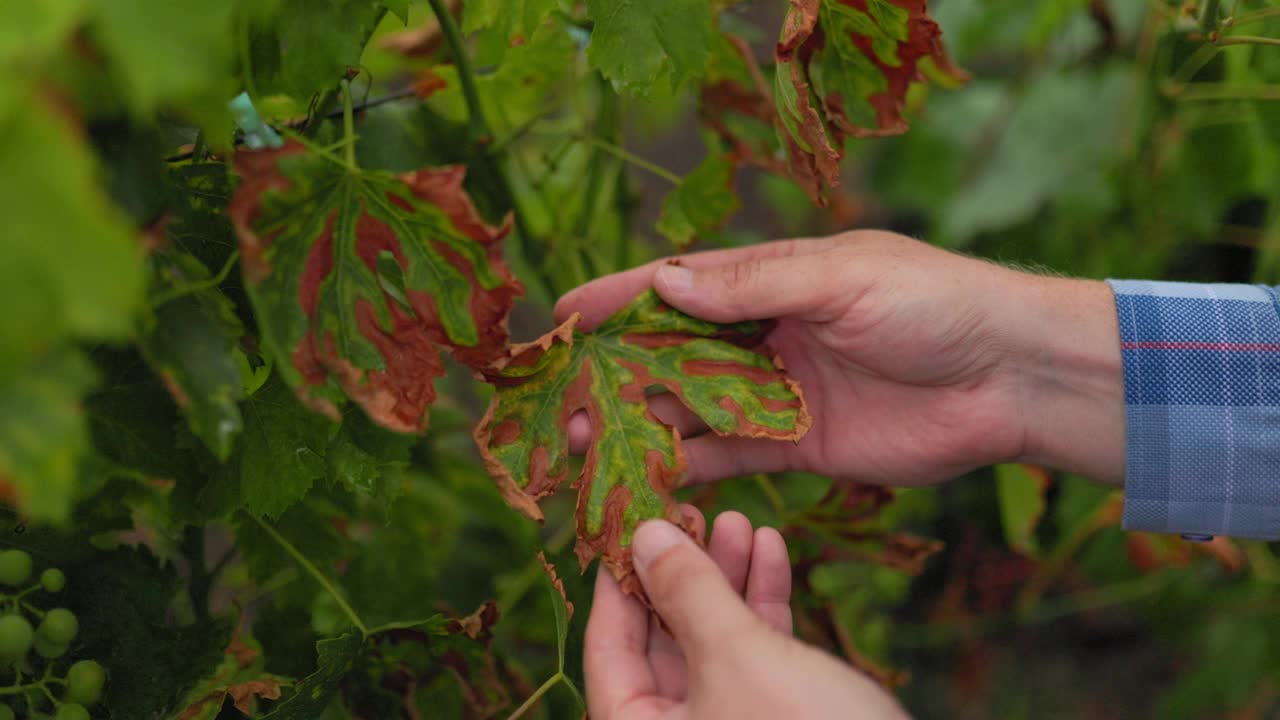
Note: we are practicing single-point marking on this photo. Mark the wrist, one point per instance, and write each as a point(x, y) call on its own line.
point(1066, 345)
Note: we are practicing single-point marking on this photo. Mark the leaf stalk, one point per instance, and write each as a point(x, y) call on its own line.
point(348, 127)
point(536, 696)
point(315, 573)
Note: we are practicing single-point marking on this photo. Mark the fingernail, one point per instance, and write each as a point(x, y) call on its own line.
point(675, 278)
point(653, 538)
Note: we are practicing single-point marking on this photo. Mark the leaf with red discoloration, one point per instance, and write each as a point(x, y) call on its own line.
point(843, 70)
point(634, 460)
point(359, 279)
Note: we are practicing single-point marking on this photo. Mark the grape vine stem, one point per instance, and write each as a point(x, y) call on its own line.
point(628, 156)
point(315, 573)
point(198, 286)
point(348, 127)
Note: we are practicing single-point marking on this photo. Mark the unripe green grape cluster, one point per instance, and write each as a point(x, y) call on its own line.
point(23, 646)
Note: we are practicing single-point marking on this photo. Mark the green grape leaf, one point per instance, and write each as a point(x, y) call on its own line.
point(359, 279)
point(282, 452)
point(72, 265)
point(513, 20)
point(368, 459)
point(634, 460)
point(308, 46)
point(399, 8)
point(843, 70)
point(172, 53)
point(637, 43)
point(1021, 491)
point(30, 31)
point(193, 343)
point(312, 694)
point(701, 203)
point(43, 433)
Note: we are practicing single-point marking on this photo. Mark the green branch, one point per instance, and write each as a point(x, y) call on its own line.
point(1253, 17)
point(1209, 16)
point(315, 573)
point(1247, 40)
point(466, 75)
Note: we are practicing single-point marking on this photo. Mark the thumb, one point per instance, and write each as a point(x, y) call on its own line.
point(805, 286)
point(688, 589)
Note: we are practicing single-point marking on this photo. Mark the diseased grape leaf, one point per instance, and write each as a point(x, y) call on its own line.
point(560, 605)
point(736, 102)
point(241, 677)
point(843, 70)
point(701, 203)
point(192, 341)
point(636, 43)
point(361, 278)
point(634, 460)
point(312, 694)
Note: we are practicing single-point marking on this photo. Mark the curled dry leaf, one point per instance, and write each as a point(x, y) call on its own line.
point(478, 625)
point(634, 460)
point(556, 583)
point(359, 279)
point(843, 70)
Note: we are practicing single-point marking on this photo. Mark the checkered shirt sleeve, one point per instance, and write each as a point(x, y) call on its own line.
point(1202, 397)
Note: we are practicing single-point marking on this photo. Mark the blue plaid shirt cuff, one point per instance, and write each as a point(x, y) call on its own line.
point(1202, 397)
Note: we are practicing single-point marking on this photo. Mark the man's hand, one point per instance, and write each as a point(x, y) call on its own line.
point(730, 653)
point(918, 364)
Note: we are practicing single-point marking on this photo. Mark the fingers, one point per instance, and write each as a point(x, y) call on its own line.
point(600, 298)
point(768, 588)
point(614, 653)
point(805, 286)
point(730, 548)
point(688, 590)
point(714, 457)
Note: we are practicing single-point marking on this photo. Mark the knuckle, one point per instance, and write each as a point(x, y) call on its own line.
point(738, 276)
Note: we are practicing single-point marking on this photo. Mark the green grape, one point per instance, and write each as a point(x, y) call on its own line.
point(71, 711)
point(48, 649)
point(59, 626)
point(84, 682)
point(15, 567)
point(53, 580)
point(15, 638)
point(6, 713)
